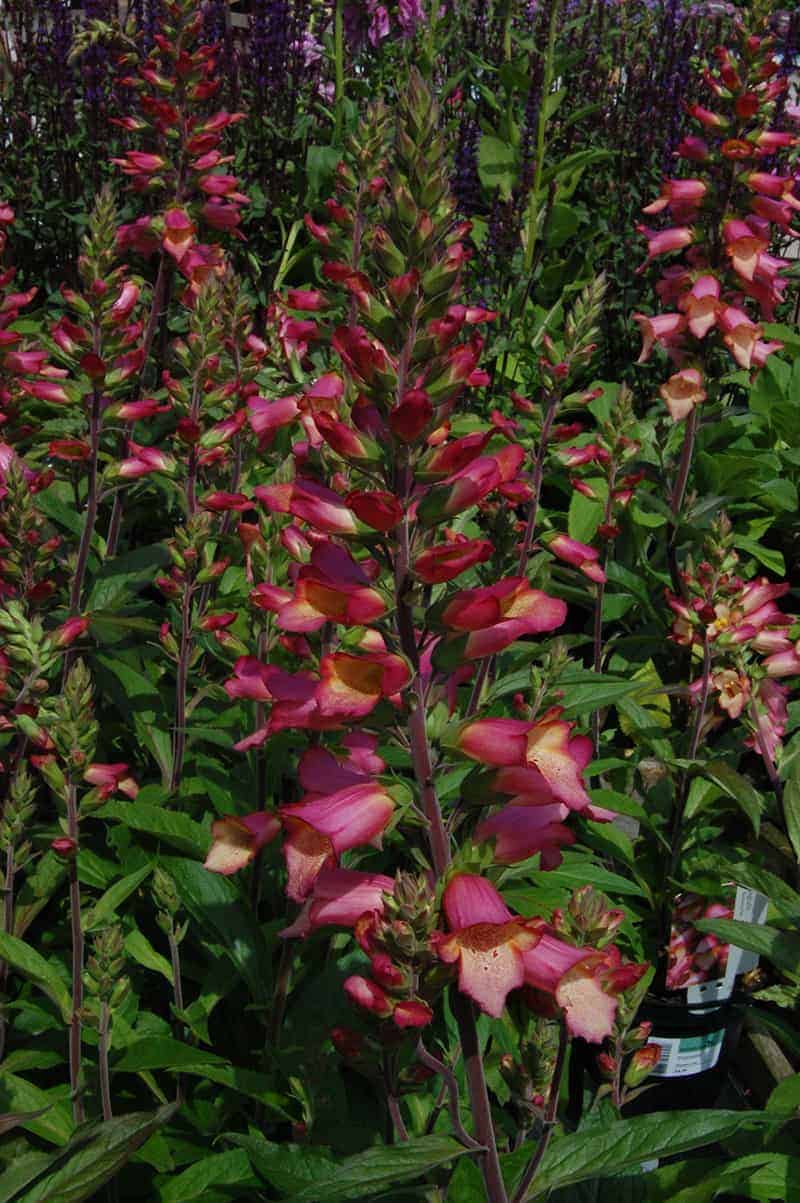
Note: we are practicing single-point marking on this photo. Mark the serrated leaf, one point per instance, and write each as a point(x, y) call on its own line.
point(94, 1155)
point(627, 1143)
point(22, 1171)
point(496, 164)
point(213, 902)
point(781, 896)
point(584, 517)
point(124, 576)
point(763, 1176)
point(284, 1166)
point(791, 810)
point(785, 1098)
point(466, 1184)
point(220, 1169)
point(376, 1170)
point(170, 825)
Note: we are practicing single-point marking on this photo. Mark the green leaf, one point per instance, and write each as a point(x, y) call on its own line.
point(27, 961)
point(99, 915)
point(497, 165)
point(579, 871)
point(780, 947)
point(584, 517)
point(791, 809)
point(785, 1098)
point(737, 787)
point(23, 1170)
point(124, 576)
point(763, 1176)
point(782, 1029)
point(321, 163)
point(131, 690)
point(466, 1184)
point(586, 692)
point(169, 825)
point(213, 902)
point(221, 1169)
point(162, 1052)
point(627, 1143)
point(94, 1155)
point(562, 223)
point(621, 803)
point(285, 1166)
point(139, 949)
point(573, 162)
point(377, 1169)
point(49, 1112)
point(781, 896)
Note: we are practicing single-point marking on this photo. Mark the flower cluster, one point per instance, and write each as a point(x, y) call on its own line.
point(181, 169)
point(695, 957)
point(724, 221)
point(389, 455)
point(747, 639)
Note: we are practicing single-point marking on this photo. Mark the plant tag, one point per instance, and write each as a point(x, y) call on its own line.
point(751, 907)
point(686, 1055)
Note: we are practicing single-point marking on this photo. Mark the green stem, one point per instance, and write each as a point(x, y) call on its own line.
point(338, 59)
point(550, 1118)
point(541, 135)
point(77, 959)
point(102, 1060)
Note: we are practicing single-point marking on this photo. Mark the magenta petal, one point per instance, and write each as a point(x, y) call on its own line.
point(470, 899)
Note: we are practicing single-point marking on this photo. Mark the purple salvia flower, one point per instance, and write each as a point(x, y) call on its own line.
point(466, 182)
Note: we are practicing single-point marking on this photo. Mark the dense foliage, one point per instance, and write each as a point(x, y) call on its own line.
point(398, 523)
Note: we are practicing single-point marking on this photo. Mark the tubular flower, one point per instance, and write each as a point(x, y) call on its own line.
point(340, 898)
point(682, 392)
point(486, 941)
point(348, 688)
point(580, 555)
point(522, 830)
point(497, 952)
point(732, 207)
point(333, 587)
point(448, 560)
point(583, 982)
point(236, 841)
point(665, 330)
point(110, 778)
point(315, 504)
point(318, 832)
point(497, 615)
point(544, 747)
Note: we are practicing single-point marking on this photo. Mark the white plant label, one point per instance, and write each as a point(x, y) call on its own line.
point(682, 1056)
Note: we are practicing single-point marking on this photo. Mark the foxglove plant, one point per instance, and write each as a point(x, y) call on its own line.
point(746, 646)
point(175, 84)
point(725, 220)
point(91, 361)
point(215, 370)
point(384, 637)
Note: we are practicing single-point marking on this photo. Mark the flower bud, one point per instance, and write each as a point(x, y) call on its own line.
point(642, 1064)
point(64, 847)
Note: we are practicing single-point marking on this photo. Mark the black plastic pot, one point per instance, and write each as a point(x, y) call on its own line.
point(696, 1043)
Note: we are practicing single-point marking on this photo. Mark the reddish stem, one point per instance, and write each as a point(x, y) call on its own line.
point(550, 1117)
point(77, 960)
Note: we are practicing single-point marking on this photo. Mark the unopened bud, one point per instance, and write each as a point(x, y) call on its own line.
point(642, 1064)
